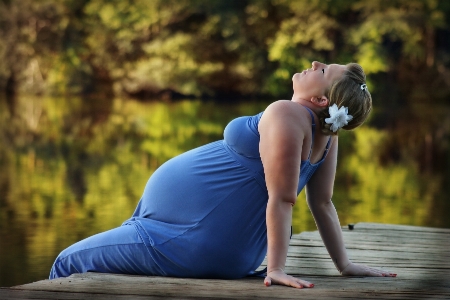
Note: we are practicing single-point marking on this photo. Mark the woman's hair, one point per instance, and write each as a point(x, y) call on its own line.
point(349, 91)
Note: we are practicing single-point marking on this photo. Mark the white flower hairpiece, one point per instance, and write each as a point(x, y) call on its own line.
point(338, 117)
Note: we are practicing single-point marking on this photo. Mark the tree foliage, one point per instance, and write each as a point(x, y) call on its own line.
point(214, 48)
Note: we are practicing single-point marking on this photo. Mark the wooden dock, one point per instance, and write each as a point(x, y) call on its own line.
point(419, 255)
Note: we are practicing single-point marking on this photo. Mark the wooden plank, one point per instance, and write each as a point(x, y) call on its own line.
point(418, 255)
point(382, 236)
point(381, 249)
point(409, 228)
point(326, 287)
point(44, 295)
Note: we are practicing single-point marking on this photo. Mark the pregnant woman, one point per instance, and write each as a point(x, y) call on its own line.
point(216, 211)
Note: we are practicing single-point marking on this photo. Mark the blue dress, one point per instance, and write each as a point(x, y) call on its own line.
point(202, 215)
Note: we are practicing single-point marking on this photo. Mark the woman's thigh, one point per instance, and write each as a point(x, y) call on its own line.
point(118, 250)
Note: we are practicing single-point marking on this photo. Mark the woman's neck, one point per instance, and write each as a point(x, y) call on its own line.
point(316, 109)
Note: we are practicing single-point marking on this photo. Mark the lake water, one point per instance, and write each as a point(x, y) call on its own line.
point(73, 167)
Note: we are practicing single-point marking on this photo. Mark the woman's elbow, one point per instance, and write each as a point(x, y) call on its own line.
point(284, 199)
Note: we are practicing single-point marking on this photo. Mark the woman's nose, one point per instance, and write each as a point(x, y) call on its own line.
point(315, 65)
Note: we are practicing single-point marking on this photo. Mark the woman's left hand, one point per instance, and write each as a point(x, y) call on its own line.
point(353, 269)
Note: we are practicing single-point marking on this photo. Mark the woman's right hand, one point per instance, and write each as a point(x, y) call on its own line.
point(281, 278)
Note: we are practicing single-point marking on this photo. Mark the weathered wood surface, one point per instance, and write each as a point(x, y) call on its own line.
point(419, 255)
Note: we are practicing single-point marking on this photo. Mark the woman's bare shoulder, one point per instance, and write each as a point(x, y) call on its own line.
point(279, 104)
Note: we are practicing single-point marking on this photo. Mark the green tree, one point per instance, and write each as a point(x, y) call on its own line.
point(29, 35)
point(310, 30)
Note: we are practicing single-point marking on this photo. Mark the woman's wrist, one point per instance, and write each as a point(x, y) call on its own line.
point(274, 270)
point(341, 270)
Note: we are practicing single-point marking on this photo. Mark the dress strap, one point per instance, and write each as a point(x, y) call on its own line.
point(313, 129)
point(327, 148)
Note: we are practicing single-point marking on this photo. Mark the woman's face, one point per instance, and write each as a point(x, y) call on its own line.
point(315, 81)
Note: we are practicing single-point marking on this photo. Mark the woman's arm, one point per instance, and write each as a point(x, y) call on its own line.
point(282, 132)
point(319, 191)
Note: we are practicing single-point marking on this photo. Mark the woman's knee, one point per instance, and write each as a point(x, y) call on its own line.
point(60, 268)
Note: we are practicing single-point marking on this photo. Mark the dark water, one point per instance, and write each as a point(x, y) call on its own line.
point(74, 167)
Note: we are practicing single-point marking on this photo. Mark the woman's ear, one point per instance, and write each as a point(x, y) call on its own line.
point(320, 101)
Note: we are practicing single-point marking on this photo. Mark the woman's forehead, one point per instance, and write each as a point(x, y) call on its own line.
point(338, 66)
point(336, 70)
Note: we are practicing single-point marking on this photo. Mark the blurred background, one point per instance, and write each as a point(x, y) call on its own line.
point(96, 94)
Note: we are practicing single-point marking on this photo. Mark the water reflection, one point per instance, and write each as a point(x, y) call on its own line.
point(74, 167)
